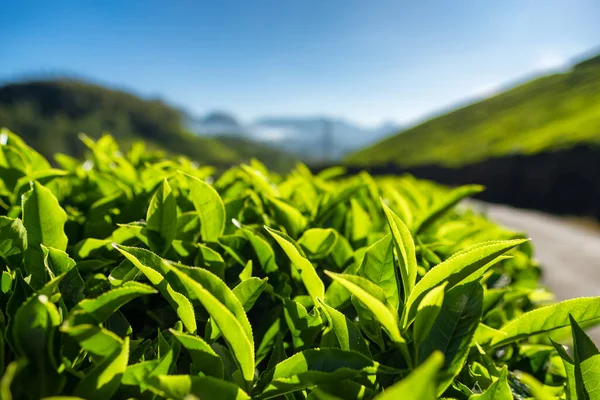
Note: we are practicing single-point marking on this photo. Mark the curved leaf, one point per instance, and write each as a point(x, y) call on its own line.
point(545, 319)
point(303, 326)
point(99, 309)
point(44, 220)
point(72, 286)
point(94, 339)
point(317, 366)
point(427, 312)
point(378, 266)
point(346, 332)
point(249, 290)
point(13, 240)
point(465, 265)
point(445, 204)
point(33, 334)
point(288, 216)
point(105, 378)
point(161, 218)
point(183, 387)
point(420, 384)
point(587, 363)
point(498, 390)
point(263, 250)
point(309, 276)
point(203, 357)
point(240, 343)
point(453, 330)
point(318, 242)
point(156, 269)
point(209, 206)
point(361, 221)
point(405, 247)
point(365, 291)
point(220, 291)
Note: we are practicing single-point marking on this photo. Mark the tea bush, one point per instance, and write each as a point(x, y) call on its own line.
point(134, 276)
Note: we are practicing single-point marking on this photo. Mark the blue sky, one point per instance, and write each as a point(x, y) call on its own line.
point(364, 60)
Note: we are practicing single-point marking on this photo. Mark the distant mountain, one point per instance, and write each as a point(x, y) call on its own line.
point(555, 111)
point(216, 123)
point(317, 138)
point(312, 138)
point(48, 115)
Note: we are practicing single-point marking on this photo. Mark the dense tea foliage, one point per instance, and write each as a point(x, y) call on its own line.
point(132, 276)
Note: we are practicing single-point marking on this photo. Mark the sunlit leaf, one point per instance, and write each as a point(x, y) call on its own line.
point(419, 385)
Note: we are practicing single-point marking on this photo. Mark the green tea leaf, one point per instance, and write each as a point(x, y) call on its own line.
point(361, 221)
point(124, 272)
point(587, 363)
point(427, 312)
point(345, 389)
point(453, 330)
point(278, 353)
point(161, 218)
point(538, 390)
point(236, 336)
point(290, 218)
point(260, 181)
point(99, 309)
point(13, 240)
point(444, 204)
point(568, 363)
point(347, 334)
point(317, 366)
point(105, 378)
point(33, 334)
point(44, 219)
point(378, 266)
point(420, 384)
point(210, 208)
point(303, 326)
point(72, 286)
point(94, 339)
point(249, 290)
point(12, 371)
point(307, 272)
point(203, 357)
point(466, 264)
point(374, 299)
point(184, 387)
point(403, 207)
point(317, 243)
point(548, 318)
point(220, 291)
point(263, 251)
point(499, 390)
point(405, 248)
point(156, 269)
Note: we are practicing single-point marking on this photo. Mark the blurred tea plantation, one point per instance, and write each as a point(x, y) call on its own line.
point(551, 112)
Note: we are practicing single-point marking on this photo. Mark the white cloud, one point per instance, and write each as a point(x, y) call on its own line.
point(269, 133)
point(551, 61)
point(486, 90)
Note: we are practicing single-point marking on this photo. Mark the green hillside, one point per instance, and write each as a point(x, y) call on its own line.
point(554, 111)
point(49, 115)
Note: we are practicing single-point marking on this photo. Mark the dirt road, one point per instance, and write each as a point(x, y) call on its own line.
point(569, 252)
